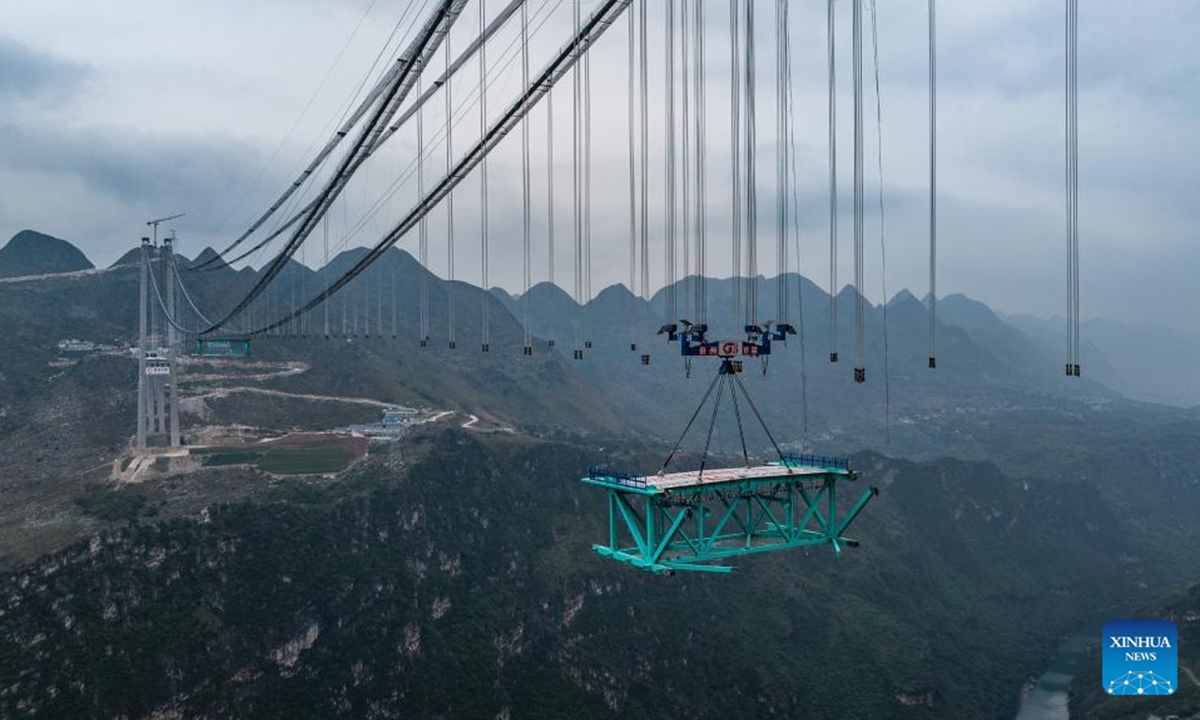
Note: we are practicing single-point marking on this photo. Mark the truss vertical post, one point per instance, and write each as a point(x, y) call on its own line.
point(791, 511)
point(632, 521)
point(831, 526)
point(651, 511)
point(612, 519)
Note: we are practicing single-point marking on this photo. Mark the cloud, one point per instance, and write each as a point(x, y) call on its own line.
point(129, 164)
point(98, 185)
point(29, 74)
point(159, 132)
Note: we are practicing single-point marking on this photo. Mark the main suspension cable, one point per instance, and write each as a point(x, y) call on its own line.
point(376, 102)
point(463, 57)
point(162, 305)
point(509, 56)
point(183, 291)
point(344, 128)
point(563, 62)
point(417, 55)
point(497, 22)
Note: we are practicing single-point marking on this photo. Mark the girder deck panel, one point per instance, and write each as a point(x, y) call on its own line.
point(720, 476)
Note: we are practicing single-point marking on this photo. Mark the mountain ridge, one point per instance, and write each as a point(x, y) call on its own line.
point(33, 253)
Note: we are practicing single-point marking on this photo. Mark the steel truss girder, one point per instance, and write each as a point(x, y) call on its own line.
point(693, 529)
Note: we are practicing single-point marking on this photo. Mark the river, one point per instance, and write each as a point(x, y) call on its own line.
point(1048, 700)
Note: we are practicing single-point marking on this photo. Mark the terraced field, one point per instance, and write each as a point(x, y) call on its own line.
point(302, 454)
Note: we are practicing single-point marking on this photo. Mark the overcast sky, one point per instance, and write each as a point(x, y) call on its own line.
point(115, 113)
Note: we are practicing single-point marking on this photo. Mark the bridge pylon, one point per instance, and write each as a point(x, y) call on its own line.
point(158, 392)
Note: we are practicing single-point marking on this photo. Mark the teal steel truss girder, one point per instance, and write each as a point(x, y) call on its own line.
point(695, 528)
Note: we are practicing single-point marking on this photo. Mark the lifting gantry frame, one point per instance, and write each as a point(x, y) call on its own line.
point(686, 520)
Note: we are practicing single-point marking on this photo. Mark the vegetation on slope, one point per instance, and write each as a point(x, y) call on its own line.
point(33, 253)
point(466, 587)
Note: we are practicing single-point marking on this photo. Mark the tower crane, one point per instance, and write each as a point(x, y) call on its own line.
point(155, 223)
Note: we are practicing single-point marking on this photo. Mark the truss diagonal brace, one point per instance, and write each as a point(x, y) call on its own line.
point(858, 507)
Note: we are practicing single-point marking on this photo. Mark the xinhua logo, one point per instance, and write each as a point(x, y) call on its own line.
point(1141, 657)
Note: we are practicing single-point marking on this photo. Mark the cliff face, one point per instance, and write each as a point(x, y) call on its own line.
point(465, 587)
